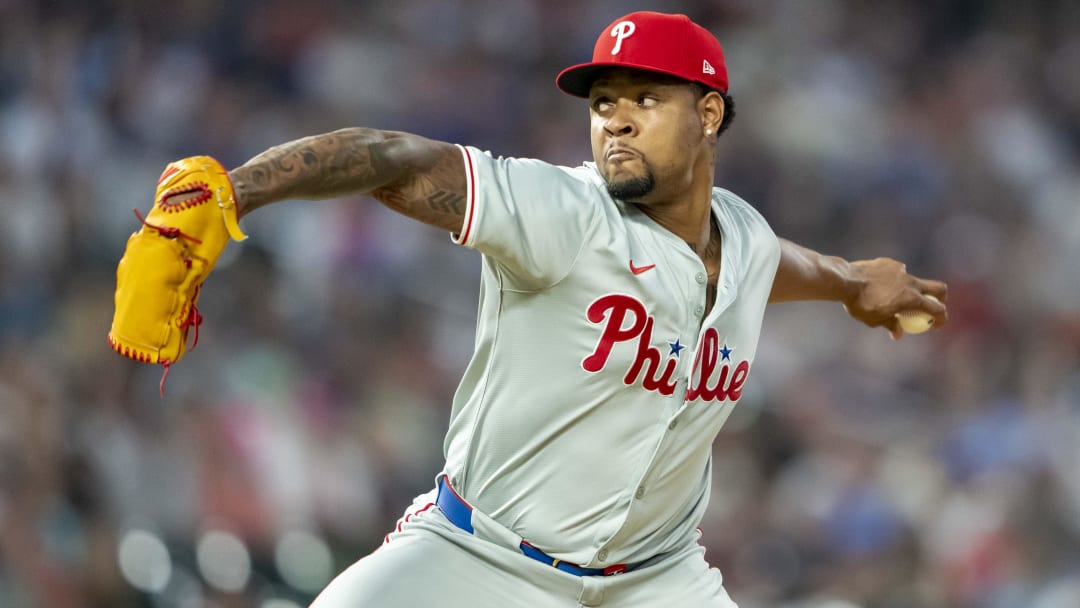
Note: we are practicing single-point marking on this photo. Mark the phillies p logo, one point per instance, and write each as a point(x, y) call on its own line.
point(621, 31)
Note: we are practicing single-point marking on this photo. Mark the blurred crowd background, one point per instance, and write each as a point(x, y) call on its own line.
point(940, 470)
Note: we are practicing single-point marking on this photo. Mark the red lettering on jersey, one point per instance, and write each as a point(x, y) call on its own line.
point(728, 384)
point(738, 379)
point(647, 353)
point(614, 311)
point(715, 377)
point(615, 308)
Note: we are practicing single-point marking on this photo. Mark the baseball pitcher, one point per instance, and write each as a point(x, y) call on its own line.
point(621, 305)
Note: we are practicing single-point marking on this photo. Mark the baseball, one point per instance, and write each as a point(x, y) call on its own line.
point(916, 321)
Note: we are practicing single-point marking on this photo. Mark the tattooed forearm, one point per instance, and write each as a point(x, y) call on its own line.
point(421, 178)
point(446, 202)
point(314, 167)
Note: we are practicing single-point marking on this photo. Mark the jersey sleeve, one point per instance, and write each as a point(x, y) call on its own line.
point(531, 218)
point(761, 245)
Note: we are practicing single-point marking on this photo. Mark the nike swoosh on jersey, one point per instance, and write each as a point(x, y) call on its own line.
point(640, 269)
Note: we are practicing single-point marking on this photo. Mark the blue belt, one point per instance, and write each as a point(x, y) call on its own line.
point(459, 513)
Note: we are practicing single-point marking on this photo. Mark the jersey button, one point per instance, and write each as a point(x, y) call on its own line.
point(700, 278)
point(602, 555)
point(699, 310)
point(671, 426)
point(640, 492)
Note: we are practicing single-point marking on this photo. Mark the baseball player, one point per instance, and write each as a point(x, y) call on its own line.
point(621, 305)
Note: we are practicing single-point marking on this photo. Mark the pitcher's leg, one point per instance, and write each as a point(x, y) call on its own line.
point(427, 565)
point(681, 579)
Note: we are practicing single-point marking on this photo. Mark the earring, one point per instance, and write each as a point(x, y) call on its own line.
point(708, 132)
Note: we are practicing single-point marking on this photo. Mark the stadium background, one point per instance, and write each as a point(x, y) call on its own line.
point(937, 471)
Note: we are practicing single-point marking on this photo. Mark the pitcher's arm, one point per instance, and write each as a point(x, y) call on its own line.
point(418, 177)
point(872, 291)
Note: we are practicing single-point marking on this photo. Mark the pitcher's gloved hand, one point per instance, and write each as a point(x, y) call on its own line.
point(168, 258)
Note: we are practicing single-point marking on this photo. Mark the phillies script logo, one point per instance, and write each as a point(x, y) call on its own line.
point(625, 319)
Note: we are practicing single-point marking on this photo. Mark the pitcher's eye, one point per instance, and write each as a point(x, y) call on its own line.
point(602, 104)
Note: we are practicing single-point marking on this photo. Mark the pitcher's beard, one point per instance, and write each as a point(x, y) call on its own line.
point(632, 189)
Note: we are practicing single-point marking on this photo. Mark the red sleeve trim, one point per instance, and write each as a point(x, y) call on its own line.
point(462, 238)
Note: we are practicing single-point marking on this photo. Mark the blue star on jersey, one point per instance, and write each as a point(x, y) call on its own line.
point(676, 348)
point(725, 353)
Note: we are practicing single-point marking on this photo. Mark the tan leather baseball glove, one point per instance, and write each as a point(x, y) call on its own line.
point(168, 258)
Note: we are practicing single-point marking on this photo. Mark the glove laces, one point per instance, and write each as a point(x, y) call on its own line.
point(166, 231)
point(194, 319)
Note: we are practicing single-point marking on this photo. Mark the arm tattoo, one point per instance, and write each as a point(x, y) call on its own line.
point(433, 192)
point(313, 167)
point(445, 202)
point(421, 178)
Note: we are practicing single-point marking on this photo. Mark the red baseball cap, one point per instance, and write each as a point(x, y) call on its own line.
point(655, 42)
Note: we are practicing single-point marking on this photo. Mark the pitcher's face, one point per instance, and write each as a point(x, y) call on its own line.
point(646, 129)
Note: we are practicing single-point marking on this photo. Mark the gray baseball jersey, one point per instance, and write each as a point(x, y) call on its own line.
point(581, 432)
point(585, 419)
